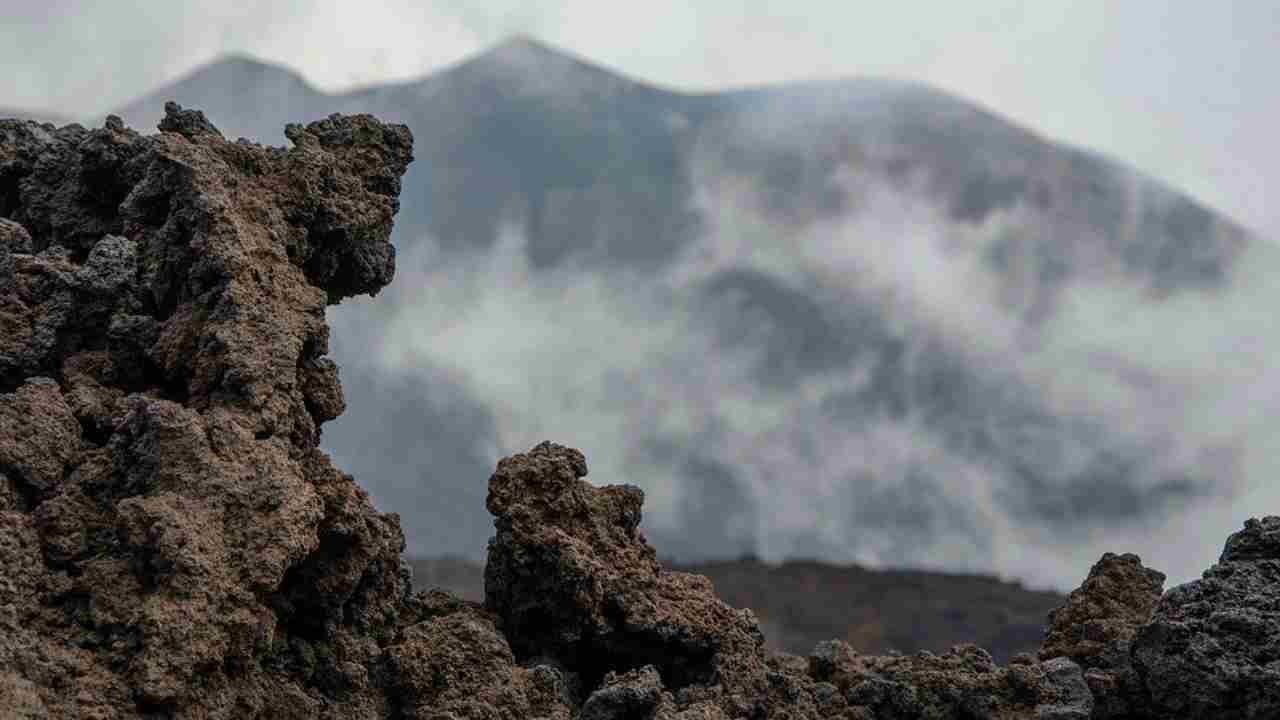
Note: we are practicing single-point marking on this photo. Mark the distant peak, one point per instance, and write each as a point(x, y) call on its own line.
point(524, 65)
point(522, 40)
point(242, 62)
point(238, 57)
point(526, 47)
point(546, 67)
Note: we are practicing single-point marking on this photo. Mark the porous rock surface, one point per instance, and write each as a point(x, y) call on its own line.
point(173, 544)
point(1212, 647)
point(1096, 626)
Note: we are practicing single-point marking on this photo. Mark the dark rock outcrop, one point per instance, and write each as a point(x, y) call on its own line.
point(570, 575)
point(173, 544)
point(172, 541)
point(1212, 647)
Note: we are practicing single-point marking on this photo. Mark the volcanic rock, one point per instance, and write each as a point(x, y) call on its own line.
point(1212, 647)
point(173, 543)
point(570, 575)
point(1096, 625)
point(963, 682)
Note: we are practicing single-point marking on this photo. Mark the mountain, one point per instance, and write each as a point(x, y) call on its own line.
point(519, 131)
point(856, 320)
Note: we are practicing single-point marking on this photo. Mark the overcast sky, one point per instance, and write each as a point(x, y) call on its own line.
point(1185, 91)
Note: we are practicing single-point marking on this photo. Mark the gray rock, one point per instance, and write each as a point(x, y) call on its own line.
point(1212, 648)
point(635, 694)
point(1069, 696)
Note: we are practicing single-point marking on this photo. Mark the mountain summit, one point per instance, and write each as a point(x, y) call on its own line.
point(526, 49)
point(249, 91)
point(540, 67)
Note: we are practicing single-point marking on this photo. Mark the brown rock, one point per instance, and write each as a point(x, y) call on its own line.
point(39, 437)
point(1104, 612)
point(1096, 626)
point(172, 541)
point(458, 665)
point(571, 576)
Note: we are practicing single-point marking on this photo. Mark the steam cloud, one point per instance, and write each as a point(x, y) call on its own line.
point(747, 390)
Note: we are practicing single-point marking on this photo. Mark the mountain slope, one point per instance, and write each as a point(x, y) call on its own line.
point(858, 320)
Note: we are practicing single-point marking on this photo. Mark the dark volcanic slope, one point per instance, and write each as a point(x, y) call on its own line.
point(859, 320)
point(800, 604)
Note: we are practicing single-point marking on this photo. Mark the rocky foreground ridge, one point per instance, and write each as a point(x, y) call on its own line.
point(799, 603)
point(174, 544)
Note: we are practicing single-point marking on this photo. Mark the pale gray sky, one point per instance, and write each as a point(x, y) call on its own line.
point(1185, 91)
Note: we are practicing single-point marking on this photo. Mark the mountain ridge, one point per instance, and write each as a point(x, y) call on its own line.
point(521, 45)
point(548, 56)
point(529, 45)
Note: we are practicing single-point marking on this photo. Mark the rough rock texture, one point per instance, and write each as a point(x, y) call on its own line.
point(570, 576)
point(800, 603)
point(173, 544)
point(962, 683)
point(1212, 648)
point(1096, 625)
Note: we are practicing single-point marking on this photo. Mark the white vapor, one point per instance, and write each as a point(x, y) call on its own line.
point(605, 360)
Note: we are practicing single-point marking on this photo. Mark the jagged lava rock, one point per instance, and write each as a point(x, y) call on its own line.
point(1096, 625)
point(962, 683)
point(571, 576)
point(172, 541)
point(1212, 647)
